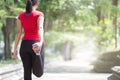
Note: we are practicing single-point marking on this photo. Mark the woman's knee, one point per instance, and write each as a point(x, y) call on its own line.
point(39, 74)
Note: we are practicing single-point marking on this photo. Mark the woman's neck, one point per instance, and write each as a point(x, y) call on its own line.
point(34, 9)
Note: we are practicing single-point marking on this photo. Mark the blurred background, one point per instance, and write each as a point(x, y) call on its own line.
point(81, 36)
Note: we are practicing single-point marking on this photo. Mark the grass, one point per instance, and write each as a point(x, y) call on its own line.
point(8, 62)
point(53, 55)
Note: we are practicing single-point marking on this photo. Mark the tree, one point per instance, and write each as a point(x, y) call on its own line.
point(66, 15)
point(62, 11)
point(115, 23)
point(9, 12)
point(7, 33)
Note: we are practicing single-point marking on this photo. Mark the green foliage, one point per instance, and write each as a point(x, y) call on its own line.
point(8, 9)
point(4, 63)
point(71, 15)
point(21, 3)
point(87, 17)
point(82, 16)
point(3, 13)
point(51, 56)
point(103, 5)
point(104, 36)
point(58, 38)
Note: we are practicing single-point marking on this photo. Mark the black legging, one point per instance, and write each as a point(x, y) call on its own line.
point(31, 61)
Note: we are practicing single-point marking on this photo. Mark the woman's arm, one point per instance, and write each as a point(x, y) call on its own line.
point(40, 28)
point(40, 22)
point(17, 38)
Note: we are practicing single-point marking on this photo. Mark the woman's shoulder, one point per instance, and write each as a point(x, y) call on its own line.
point(21, 14)
point(40, 13)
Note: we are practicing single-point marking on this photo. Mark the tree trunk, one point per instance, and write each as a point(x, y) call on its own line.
point(48, 24)
point(99, 16)
point(16, 1)
point(7, 33)
point(66, 50)
point(115, 23)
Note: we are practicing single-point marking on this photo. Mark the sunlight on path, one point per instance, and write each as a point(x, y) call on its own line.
point(73, 76)
point(84, 55)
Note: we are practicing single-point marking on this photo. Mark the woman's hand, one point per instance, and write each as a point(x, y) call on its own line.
point(15, 55)
point(37, 48)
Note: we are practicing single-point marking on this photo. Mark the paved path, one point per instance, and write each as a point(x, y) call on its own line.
point(77, 69)
point(73, 76)
point(74, 66)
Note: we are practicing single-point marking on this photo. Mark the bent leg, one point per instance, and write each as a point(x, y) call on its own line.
point(38, 63)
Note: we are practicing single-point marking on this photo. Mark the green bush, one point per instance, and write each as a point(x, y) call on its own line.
point(56, 39)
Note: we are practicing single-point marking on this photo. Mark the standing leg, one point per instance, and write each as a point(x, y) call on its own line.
point(27, 63)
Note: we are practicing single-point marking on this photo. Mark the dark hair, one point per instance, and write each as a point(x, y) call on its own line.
point(29, 5)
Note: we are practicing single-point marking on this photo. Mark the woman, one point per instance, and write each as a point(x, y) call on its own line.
point(31, 23)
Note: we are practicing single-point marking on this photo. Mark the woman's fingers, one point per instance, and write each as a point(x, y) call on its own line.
point(15, 56)
point(36, 48)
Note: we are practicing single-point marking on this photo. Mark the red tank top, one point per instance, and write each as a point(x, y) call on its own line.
point(29, 24)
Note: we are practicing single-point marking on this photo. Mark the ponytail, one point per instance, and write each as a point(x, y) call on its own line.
point(28, 7)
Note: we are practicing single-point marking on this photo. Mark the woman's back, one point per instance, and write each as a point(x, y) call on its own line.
point(30, 26)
